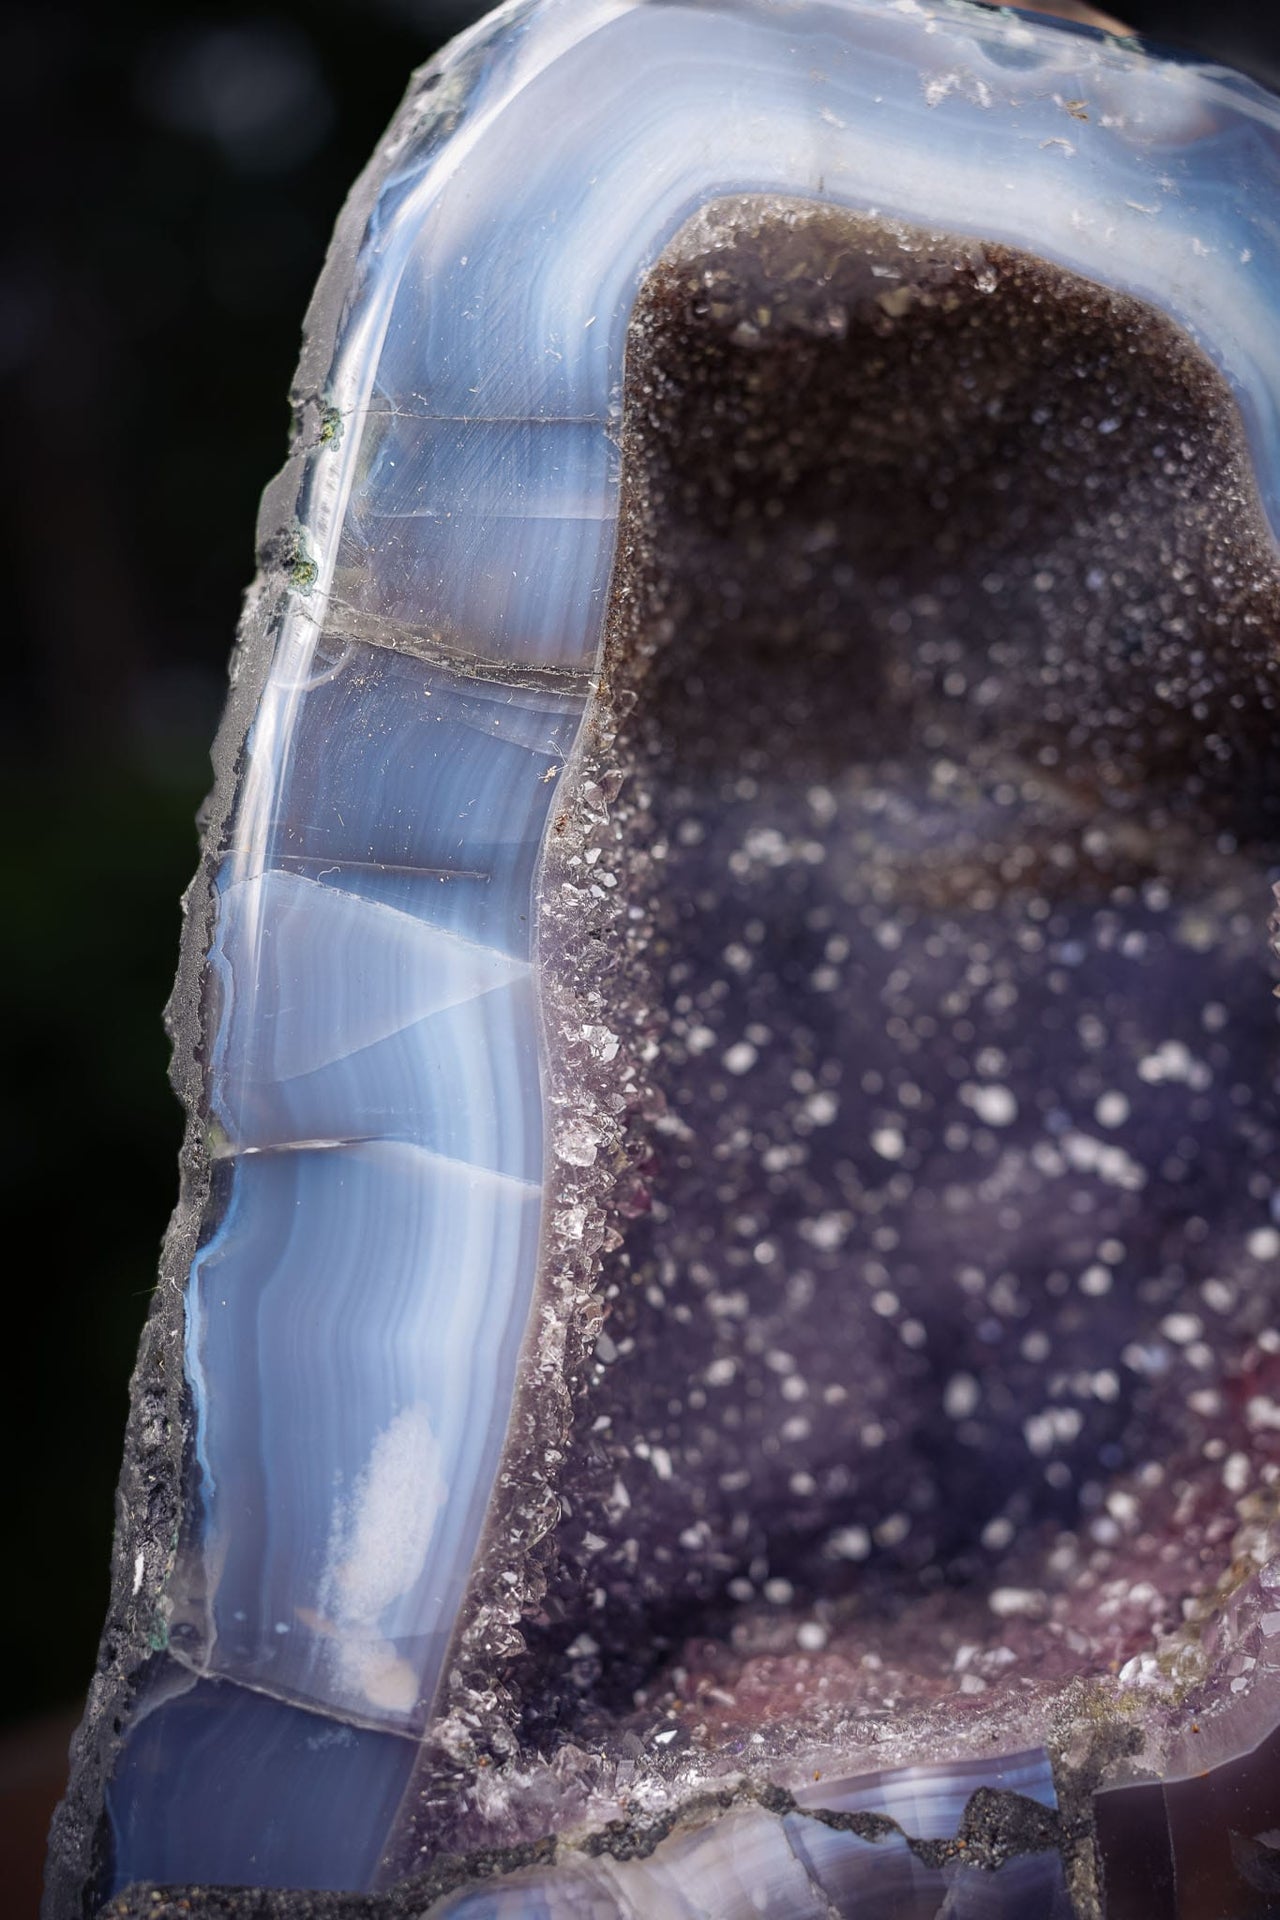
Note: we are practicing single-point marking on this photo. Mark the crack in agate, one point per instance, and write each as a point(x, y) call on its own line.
point(347, 623)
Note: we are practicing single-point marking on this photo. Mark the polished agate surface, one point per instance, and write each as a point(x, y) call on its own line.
point(719, 1341)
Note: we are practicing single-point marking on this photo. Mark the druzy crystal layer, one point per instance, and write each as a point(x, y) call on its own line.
point(718, 1343)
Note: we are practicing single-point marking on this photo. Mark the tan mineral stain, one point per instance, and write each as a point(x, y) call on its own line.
point(1078, 10)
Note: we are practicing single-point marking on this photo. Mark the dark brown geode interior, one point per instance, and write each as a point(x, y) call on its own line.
point(942, 1362)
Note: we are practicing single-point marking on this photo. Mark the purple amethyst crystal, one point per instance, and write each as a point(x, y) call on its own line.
point(718, 1350)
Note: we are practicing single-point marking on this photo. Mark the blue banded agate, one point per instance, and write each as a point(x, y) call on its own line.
point(374, 1126)
point(375, 1114)
point(793, 1863)
point(749, 1862)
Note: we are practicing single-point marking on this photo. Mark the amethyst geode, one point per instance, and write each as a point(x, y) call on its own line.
point(717, 1354)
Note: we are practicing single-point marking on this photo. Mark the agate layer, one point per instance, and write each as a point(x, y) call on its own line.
point(717, 1354)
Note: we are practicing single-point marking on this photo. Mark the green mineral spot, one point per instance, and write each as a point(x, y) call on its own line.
point(303, 571)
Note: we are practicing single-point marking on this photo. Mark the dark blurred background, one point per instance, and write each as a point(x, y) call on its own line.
point(171, 176)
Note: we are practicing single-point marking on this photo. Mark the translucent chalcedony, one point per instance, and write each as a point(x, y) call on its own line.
point(371, 1129)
